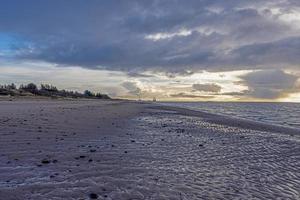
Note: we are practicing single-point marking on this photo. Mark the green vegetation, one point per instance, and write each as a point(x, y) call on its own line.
point(46, 90)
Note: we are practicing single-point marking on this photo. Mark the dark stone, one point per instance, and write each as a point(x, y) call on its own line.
point(93, 196)
point(45, 161)
point(179, 130)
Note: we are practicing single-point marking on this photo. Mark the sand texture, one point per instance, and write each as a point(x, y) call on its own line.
point(58, 149)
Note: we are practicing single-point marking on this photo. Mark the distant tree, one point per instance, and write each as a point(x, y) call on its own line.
point(88, 93)
point(8, 87)
point(102, 96)
point(3, 90)
point(47, 90)
point(98, 95)
point(48, 87)
point(11, 86)
point(31, 87)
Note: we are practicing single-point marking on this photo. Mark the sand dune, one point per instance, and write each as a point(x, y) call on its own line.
point(123, 150)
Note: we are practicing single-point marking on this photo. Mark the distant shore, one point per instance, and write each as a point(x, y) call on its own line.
point(31, 90)
point(45, 98)
point(105, 149)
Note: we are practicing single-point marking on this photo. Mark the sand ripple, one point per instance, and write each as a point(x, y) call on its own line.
point(158, 155)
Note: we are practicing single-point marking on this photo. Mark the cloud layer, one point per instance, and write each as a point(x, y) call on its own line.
point(158, 35)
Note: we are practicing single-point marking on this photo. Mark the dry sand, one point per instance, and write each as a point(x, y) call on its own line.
point(58, 149)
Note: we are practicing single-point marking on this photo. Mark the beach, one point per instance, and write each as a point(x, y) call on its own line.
point(105, 149)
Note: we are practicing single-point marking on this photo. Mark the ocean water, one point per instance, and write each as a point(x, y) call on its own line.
point(284, 114)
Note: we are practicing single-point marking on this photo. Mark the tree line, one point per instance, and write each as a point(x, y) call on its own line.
point(47, 90)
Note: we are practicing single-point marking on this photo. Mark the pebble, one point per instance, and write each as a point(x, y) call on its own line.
point(45, 161)
point(93, 196)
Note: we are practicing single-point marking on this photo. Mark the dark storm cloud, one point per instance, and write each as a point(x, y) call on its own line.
point(139, 75)
point(178, 73)
point(276, 53)
point(190, 96)
point(219, 35)
point(270, 84)
point(238, 94)
point(209, 87)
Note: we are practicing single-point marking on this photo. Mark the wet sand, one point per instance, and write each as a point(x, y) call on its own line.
point(52, 149)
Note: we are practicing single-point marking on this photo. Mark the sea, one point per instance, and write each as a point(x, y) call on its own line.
point(284, 114)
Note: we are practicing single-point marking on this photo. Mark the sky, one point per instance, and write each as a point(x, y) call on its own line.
point(174, 50)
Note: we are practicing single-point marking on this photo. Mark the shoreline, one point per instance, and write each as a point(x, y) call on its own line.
point(233, 121)
point(207, 116)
